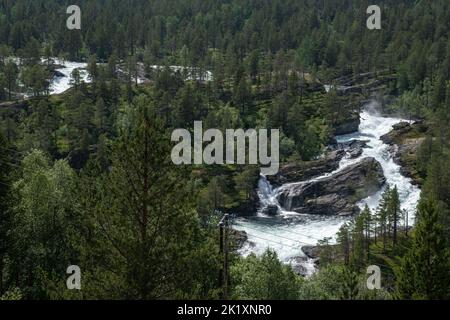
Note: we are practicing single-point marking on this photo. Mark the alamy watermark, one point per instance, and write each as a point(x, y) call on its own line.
point(374, 20)
point(218, 151)
point(374, 280)
point(73, 22)
point(74, 280)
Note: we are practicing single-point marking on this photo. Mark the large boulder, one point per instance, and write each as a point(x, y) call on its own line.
point(336, 194)
point(305, 170)
point(311, 252)
point(271, 210)
point(354, 148)
point(239, 236)
point(405, 140)
point(298, 265)
point(397, 131)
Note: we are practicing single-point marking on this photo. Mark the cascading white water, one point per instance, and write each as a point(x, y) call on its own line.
point(266, 195)
point(59, 84)
point(62, 83)
point(287, 232)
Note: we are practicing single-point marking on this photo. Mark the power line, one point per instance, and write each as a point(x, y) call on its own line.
point(300, 234)
point(281, 244)
point(295, 241)
point(278, 236)
point(223, 245)
point(297, 233)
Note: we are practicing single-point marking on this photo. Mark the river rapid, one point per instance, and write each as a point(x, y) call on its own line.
point(288, 231)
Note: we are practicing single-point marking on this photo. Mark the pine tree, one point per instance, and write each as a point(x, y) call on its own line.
point(358, 240)
point(394, 212)
point(75, 79)
point(366, 216)
point(424, 271)
point(147, 239)
point(382, 216)
point(349, 288)
point(343, 241)
point(11, 74)
point(5, 213)
point(101, 116)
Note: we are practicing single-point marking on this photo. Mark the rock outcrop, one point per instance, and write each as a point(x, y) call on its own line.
point(336, 194)
point(354, 148)
point(240, 237)
point(271, 210)
point(404, 140)
point(311, 252)
point(297, 265)
point(300, 171)
point(397, 131)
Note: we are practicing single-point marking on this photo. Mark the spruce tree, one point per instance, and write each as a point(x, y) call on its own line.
point(424, 272)
point(358, 241)
point(349, 288)
point(343, 240)
point(382, 216)
point(366, 216)
point(394, 212)
point(5, 213)
point(147, 240)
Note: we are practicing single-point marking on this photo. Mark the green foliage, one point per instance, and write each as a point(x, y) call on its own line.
point(423, 272)
point(246, 180)
point(35, 78)
point(13, 294)
point(337, 282)
point(141, 228)
point(146, 243)
point(264, 277)
point(5, 205)
point(45, 223)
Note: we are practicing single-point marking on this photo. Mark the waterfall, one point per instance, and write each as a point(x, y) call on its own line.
point(266, 195)
point(61, 84)
point(287, 232)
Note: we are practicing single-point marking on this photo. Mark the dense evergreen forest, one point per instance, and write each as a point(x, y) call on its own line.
point(86, 176)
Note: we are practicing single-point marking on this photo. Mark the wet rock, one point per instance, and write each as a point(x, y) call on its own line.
point(297, 264)
point(239, 236)
point(398, 130)
point(299, 171)
point(311, 252)
point(354, 147)
point(404, 140)
point(58, 74)
point(336, 194)
point(271, 210)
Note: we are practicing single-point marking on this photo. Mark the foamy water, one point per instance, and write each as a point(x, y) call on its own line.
point(287, 232)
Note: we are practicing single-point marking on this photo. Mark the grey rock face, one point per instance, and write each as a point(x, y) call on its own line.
point(306, 170)
point(336, 194)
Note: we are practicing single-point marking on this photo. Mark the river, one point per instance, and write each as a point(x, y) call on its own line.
point(287, 232)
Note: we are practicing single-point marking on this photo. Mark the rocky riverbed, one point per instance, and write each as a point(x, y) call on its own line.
point(306, 202)
point(337, 194)
point(404, 141)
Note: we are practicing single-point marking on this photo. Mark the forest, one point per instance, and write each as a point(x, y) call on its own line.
point(86, 176)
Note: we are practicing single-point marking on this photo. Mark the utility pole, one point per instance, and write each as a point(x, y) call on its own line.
point(221, 224)
point(223, 244)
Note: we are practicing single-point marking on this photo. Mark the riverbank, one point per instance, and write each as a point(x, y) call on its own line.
point(288, 231)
